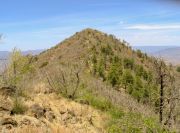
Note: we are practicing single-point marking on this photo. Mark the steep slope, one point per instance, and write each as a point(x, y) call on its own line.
point(78, 46)
point(90, 70)
point(49, 113)
point(96, 54)
point(102, 56)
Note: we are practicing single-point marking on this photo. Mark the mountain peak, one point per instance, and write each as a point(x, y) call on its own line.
point(90, 30)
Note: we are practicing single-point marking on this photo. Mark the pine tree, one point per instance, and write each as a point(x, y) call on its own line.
point(127, 78)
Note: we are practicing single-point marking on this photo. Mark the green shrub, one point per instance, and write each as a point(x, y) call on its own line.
point(178, 69)
point(135, 123)
point(140, 71)
point(94, 59)
point(115, 73)
point(137, 94)
point(128, 63)
point(95, 69)
point(116, 113)
point(113, 76)
point(114, 129)
point(140, 54)
point(121, 121)
point(103, 105)
point(138, 90)
point(127, 78)
point(106, 50)
point(101, 69)
point(44, 64)
point(117, 60)
point(18, 107)
point(98, 102)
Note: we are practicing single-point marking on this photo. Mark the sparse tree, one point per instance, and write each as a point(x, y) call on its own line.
point(66, 80)
point(162, 75)
point(101, 69)
point(172, 97)
point(128, 63)
point(18, 66)
point(115, 72)
point(17, 70)
point(168, 93)
point(127, 78)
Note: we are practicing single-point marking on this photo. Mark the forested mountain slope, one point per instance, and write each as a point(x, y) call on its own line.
point(96, 71)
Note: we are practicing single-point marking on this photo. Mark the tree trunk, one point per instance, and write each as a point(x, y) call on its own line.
point(161, 100)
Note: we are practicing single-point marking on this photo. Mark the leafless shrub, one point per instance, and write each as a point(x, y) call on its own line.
point(65, 80)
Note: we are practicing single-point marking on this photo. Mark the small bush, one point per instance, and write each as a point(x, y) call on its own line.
point(116, 113)
point(140, 54)
point(98, 103)
point(101, 69)
point(114, 73)
point(113, 76)
point(128, 63)
point(140, 71)
point(44, 64)
point(19, 107)
point(127, 78)
point(114, 129)
point(107, 50)
point(178, 69)
point(65, 81)
point(103, 105)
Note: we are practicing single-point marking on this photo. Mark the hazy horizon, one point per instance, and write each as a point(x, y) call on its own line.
point(135, 46)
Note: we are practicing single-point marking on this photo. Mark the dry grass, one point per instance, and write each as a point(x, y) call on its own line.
point(70, 117)
point(31, 129)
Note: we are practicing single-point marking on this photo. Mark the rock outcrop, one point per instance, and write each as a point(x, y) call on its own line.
point(51, 113)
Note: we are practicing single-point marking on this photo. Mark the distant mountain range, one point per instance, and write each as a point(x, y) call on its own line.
point(170, 54)
point(4, 55)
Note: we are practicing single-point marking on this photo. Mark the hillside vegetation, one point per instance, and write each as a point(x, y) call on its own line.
point(90, 82)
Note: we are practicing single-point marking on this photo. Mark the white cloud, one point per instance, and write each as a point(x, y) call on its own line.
point(146, 37)
point(154, 27)
point(151, 38)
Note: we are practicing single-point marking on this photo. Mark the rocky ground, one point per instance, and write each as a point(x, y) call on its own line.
point(48, 113)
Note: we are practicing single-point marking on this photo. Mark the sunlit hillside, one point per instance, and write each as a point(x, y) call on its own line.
point(90, 82)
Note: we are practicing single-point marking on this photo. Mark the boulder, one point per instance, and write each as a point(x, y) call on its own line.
point(37, 111)
point(8, 90)
point(25, 121)
point(82, 101)
point(50, 116)
point(8, 121)
point(5, 107)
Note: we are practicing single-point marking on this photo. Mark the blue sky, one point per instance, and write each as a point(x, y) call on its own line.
point(39, 24)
